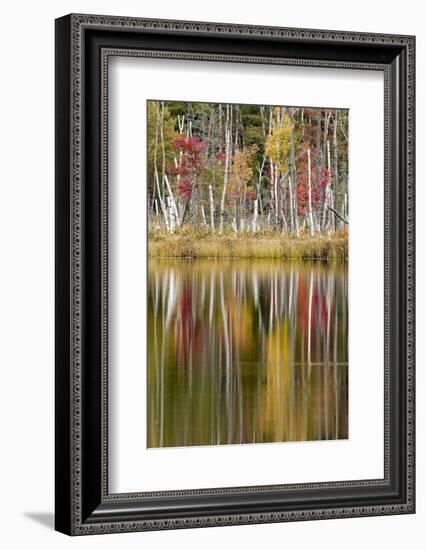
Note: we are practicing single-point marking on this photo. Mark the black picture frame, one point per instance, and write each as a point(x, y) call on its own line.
point(83, 45)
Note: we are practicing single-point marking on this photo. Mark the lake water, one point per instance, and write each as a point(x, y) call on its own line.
point(246, 351)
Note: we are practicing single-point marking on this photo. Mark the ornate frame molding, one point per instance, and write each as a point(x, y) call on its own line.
point(72, 47)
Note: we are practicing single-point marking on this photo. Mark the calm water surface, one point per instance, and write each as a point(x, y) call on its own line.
point(246, 351)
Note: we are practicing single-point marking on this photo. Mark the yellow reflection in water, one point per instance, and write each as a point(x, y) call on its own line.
point(246, 351)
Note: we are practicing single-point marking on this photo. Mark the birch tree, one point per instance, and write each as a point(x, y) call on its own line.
point(226, 171)
point(221, 167)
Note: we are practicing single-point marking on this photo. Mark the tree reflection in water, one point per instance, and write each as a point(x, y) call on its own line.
point(246, 351)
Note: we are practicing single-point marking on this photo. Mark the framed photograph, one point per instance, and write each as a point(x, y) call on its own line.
point(234, 274)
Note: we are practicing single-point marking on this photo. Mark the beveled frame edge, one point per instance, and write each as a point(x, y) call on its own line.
point(69, 222)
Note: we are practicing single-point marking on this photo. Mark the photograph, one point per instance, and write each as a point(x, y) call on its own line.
point(247, 285)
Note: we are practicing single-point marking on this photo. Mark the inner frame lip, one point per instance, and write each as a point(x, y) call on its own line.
point(112, 52)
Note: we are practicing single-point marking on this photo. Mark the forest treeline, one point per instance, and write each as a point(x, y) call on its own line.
point(223, 168)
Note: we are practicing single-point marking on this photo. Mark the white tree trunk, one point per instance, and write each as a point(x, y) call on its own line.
point(234, 224)
point(163, 148)
point(157, 179)
point(212, 227)
point(293, 206)
point(332, 219)
point(171, 215)
point(226, 172)
point(330, 194)
point(310, 215)
point(254, 220)
point(326, 214)
point(181, 123)
point(337, 222)
point(292, 226)
point(259, 182)
point(203, 215)
point(172, 200)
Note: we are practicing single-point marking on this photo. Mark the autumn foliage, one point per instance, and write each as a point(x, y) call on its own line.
point(191, 164)
point(239, 168)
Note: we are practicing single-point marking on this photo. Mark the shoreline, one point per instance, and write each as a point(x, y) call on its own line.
point(248, 247)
